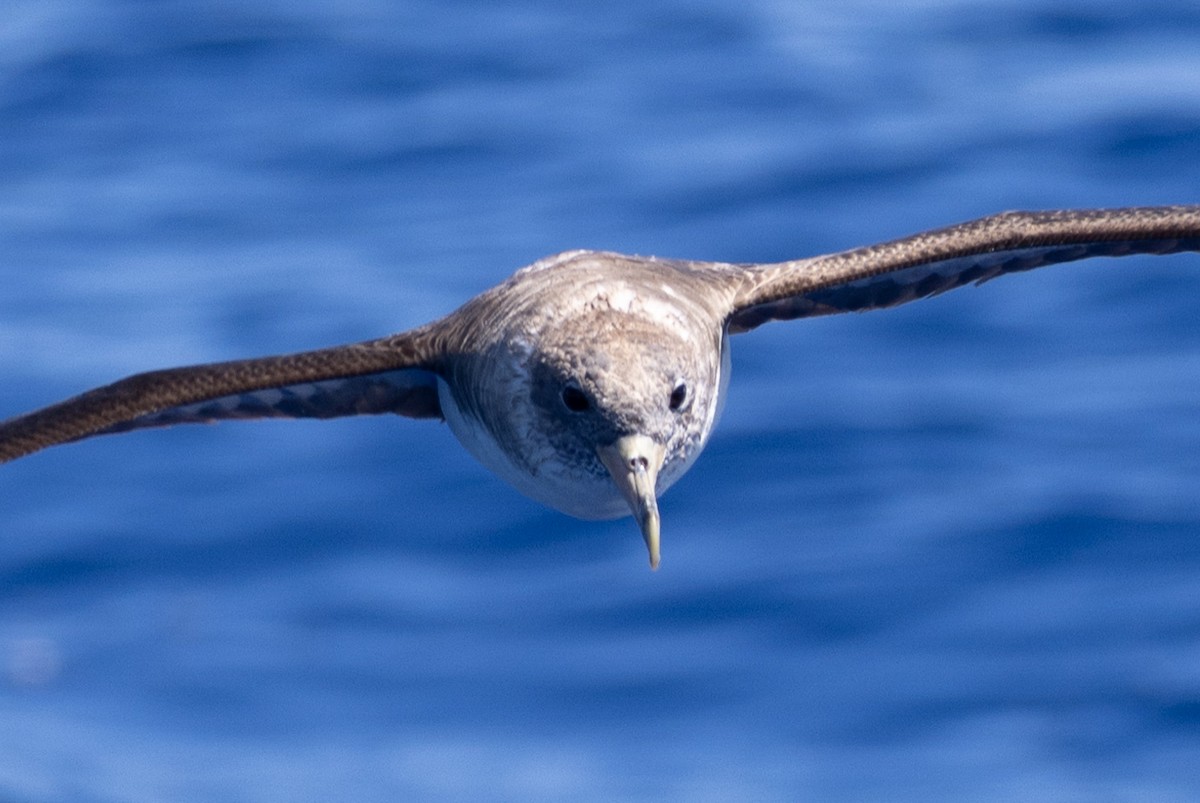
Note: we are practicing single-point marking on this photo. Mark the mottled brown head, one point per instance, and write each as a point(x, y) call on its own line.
point(598, 403)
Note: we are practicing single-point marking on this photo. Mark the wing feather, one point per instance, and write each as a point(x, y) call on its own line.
point(933, 262)
point(396, 374)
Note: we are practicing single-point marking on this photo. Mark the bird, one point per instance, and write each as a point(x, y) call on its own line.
point(592, 380)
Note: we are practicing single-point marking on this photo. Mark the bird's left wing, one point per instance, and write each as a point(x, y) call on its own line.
point(392, 375)
point(935, 261)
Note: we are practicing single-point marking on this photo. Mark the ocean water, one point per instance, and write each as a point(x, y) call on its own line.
point(949, 551)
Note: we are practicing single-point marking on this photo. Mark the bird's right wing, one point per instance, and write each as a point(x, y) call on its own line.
point(395, 374)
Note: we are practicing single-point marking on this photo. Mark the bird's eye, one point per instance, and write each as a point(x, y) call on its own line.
point(575, 399)
point(679, 397)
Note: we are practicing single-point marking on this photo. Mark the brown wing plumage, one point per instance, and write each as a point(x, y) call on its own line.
point(933, 262)
point(391, 375)
point(398, 374)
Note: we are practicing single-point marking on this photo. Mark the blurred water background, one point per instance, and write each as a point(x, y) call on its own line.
point(949, 551)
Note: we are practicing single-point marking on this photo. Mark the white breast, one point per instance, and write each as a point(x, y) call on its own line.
point(578, 494)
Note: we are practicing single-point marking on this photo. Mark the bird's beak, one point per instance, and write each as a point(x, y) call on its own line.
point(634, 461)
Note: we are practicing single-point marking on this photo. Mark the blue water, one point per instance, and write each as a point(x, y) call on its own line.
point(949, 551)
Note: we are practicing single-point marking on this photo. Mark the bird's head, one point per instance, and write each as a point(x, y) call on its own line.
point(629, 401)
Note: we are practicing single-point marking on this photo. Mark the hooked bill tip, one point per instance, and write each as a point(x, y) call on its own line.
point(650, 533)
point(634, 461)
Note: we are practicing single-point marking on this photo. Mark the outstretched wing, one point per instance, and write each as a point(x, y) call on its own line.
point(391, 375)
point(933, 262)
